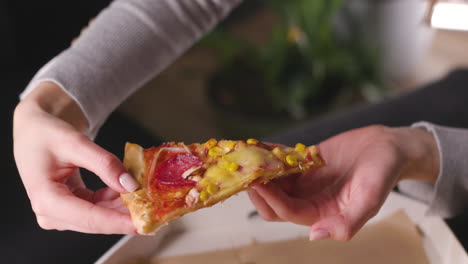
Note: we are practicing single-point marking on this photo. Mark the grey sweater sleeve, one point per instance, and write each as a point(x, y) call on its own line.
point(125, 46)
point(449, 195)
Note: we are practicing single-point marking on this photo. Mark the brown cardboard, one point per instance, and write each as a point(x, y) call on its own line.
point(392, 240)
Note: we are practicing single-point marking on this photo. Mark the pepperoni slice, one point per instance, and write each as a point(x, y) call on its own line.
point(170, 172)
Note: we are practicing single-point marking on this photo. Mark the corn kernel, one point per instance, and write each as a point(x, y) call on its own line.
point(252, 141)
point(313, 150)
point(215, 151)
point(230, 145)
point(212, 188)
point(300, 147)
point(232, 167)
point(277, 151)
point(211, 143)
point(291, 160)
point(203, 196)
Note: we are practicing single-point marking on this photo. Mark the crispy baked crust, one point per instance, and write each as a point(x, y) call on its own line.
point(141, 207)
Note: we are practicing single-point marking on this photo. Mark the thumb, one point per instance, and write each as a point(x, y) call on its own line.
point(84, 153)
point(344, 225)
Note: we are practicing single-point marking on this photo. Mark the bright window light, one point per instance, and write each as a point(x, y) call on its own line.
point(452, 16)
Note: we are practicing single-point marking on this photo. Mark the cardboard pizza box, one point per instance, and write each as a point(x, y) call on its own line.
point(232, 225)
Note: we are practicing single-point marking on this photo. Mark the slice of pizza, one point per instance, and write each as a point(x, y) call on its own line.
point(176, 179)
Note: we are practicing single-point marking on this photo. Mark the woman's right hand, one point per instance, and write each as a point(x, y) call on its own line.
point(49, 149)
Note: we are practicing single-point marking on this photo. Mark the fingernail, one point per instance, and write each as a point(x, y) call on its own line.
point(128, 182)
point(319, 234)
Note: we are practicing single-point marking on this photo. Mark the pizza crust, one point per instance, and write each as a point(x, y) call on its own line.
point(137, 203)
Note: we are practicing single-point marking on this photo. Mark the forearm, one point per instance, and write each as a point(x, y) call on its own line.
point(51, 99)
point(420, 154)
point(125, 46)
point(448, 194)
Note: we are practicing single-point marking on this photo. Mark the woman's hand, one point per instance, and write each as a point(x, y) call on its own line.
point(49, 149)
point(363, 166)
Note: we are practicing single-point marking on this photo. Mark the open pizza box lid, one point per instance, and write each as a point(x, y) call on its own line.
point(231, 225)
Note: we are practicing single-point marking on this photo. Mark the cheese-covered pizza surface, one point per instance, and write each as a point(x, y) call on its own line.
point(176, 179)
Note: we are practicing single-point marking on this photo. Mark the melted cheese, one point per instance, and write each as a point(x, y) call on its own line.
point(250, 159)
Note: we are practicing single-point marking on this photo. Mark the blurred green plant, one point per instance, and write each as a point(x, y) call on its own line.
point(302, 68)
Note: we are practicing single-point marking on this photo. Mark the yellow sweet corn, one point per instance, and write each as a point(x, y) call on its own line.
point(211, 188)
point(291, 160)
point(232, 167)
point(211, 143)
point(230, 145)
point(203, 196)
point(300, 147)
point(277, 151)
point(215, 151)
point(252, 141)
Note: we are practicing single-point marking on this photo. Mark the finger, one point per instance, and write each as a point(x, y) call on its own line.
point(84, 193)
point(82, 152)
point(105, 197)
point(115, 204)
point(287, 208)
point(62, 205)
point(287, 182)
point(77, 186)
point(344, 225)
point(103, 194)
point(94, 218)
point(49, 223)
point(75, 181)
point(263, 209)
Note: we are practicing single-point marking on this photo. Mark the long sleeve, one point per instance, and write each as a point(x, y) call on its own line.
point(125, 46)
point(449, 195)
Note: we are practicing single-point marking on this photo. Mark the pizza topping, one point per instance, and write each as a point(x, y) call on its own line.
point(195, 178)
point(159, 155)
point(252, 141)
point(215, 151)
point(228, 145)
point(278, 153)
point(217, 174)
point(187, 149)
point(245, 162)
point(211, 143)
point(204, 196)
point(230, 166)
point(192, 197)
point(189, 172)
point(300, 147)
point(170, 172)
point(212, 188)
point(291, 160)
point(248, 156)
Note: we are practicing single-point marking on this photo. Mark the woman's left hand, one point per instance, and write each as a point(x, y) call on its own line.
point(363, 166)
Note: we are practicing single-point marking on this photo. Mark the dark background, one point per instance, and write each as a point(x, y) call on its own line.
point(31, 33)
